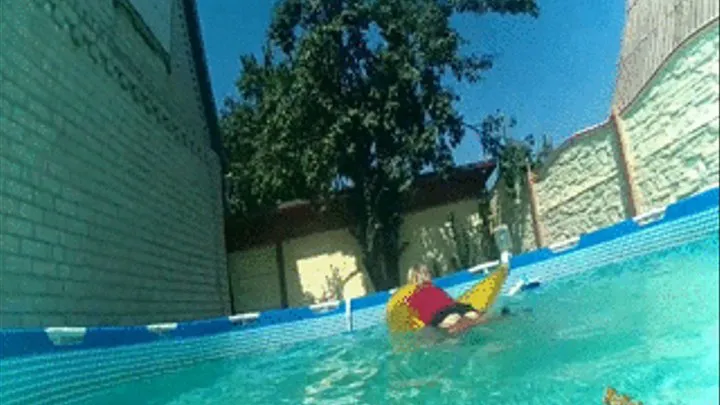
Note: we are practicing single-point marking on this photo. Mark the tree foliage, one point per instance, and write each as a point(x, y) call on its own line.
point(514, 156)
point(351, 94)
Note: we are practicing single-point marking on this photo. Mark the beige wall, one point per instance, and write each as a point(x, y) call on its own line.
point(255, 279)
point(328, 265)
point(516, 214)
point(429, 236)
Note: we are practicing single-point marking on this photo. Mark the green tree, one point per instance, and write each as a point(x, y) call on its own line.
point(475, 243)
point(351, 94)
point(513, 156)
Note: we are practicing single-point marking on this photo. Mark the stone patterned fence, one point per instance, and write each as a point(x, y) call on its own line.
point(654, 29)
point(582, 188)
point(110, 197)
point(673, 126)
point(663, 147)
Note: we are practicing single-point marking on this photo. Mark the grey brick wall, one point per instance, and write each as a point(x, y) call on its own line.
point(110, 202)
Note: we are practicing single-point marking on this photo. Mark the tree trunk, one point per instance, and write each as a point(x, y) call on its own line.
point(378, 216)
point(391, 257)
point(382, 265)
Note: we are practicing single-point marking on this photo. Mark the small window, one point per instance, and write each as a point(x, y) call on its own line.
point(156, 15)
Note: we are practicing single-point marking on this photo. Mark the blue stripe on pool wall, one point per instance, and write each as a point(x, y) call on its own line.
point(96, 338)
point(30, 342)
point(278, 316)
point(19, 342)
point(24, 342)
point(203, 327)
point(691, 205)
point(694, 204)
point(370, 300)
point(454, 279)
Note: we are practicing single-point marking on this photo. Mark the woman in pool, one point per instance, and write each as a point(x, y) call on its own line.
point(434, 307)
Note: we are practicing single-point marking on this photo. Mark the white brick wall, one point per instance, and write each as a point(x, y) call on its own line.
point(106, 216)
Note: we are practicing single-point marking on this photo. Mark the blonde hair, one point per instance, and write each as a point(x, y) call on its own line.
point(418, 274)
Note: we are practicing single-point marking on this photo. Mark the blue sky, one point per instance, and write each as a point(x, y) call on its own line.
point(555, 74)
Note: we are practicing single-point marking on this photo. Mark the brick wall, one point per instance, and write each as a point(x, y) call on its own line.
point(110, 202)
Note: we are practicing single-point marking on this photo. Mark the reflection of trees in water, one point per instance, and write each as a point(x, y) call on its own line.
point(343, 373)
point(421, 373)
point(374, 371)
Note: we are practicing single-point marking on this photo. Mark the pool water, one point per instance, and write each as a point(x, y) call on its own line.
point(647, 327)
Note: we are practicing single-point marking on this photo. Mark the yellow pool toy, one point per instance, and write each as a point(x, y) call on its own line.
point(401, 318)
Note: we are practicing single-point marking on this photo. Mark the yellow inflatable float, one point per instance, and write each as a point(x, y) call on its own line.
point(401, 318)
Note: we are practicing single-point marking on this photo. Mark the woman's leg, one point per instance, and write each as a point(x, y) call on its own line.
point(449, 321)
point(449, 317)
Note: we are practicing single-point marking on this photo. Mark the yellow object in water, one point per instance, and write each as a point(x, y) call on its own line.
point(484, 293)
point(612, 397)
point(401, 318)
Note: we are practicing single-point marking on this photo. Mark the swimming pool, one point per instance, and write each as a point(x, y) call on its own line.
point(633, 306)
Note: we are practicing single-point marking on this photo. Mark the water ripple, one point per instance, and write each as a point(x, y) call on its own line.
point(631, 326)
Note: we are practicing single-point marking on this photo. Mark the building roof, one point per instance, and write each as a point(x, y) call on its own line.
point(300, 218)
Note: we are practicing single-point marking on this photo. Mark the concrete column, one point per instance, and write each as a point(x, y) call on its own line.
point(534, 209)
point(627, 164)
point(282, 280)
